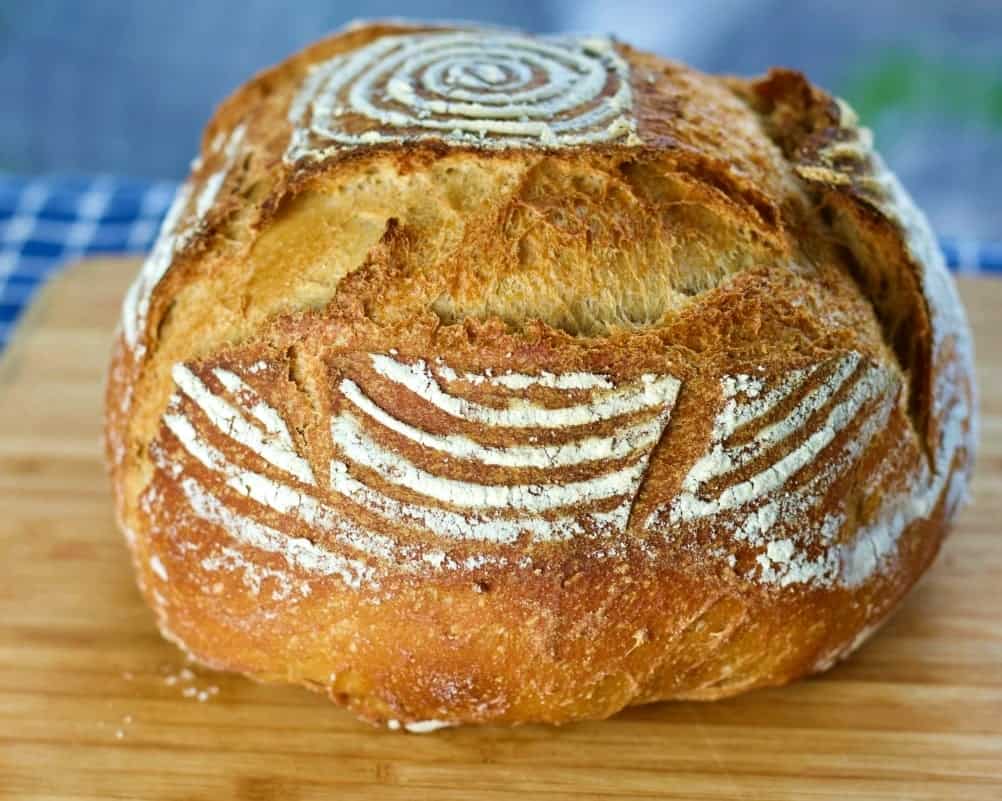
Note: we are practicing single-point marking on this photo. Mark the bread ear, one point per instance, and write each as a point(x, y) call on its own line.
point(833, 157)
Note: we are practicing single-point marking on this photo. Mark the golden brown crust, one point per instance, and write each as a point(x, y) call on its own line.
point(464, 432)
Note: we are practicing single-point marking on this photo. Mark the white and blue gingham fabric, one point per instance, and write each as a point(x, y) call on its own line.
point(48, 222)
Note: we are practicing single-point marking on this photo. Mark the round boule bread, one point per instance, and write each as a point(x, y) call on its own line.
point(484, 378)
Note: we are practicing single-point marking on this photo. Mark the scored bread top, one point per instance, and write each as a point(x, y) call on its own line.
point(444, 298)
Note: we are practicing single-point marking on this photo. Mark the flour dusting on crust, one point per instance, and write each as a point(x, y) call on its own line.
point(771, 509)
point(485, 88)
point(223, 430)
point(186, 214)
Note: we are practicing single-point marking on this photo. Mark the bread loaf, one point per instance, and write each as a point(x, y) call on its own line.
point(484, 378)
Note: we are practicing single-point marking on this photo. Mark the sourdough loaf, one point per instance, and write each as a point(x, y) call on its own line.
point(478, 377)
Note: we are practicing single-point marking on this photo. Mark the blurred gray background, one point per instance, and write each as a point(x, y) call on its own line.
point(124, 86)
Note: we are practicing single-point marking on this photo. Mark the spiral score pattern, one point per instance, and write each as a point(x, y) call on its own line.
point(486, 89)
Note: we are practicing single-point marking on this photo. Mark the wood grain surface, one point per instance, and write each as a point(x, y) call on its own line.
point(94, 705)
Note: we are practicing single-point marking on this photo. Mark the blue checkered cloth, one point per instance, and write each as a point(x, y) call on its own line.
point(48, 222)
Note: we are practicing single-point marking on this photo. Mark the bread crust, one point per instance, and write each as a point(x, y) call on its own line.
point(507, 427)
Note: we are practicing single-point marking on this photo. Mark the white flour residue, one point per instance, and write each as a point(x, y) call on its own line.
point(619, 445)
point(504, 510)
point(946, 310)
point(279, 497)
point(957, 429)
point(763, 511)
point(254, 576)
point(184, 217)
point(519, 381)
point(210, 189)
point(947, 317)
point(265, 414)
point(651, 391)
point(302, 506)
point(876, 541)
point(362, 449)
point(158, 567)
point(719, 459)
point(689, 505)
point(486, 88)
point(137, 299)
point(496, 514)
point(475, 527)
point(275, 446)
point(297, 552)
point(427, 726)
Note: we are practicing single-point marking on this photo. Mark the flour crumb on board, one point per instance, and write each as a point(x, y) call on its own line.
point(188, 682)
point(121, 729)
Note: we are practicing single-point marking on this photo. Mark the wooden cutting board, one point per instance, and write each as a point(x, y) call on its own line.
point(94, 705)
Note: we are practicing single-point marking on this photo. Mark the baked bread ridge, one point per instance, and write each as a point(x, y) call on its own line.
point(538, 424)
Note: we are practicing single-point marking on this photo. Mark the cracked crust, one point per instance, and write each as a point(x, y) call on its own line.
point(474, 432)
